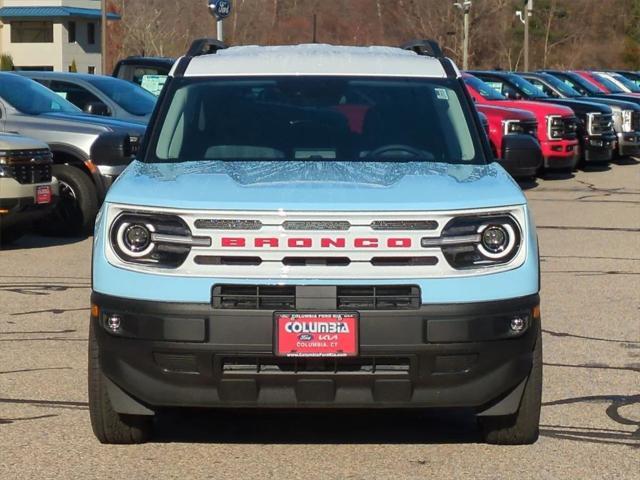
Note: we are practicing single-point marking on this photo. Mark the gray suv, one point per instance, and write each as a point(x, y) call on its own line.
point(28, 108)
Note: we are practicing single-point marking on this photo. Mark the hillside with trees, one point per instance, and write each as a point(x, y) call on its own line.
point(564, 33)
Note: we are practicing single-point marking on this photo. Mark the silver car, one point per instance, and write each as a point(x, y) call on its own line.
point(99, 94)
point(28, 108)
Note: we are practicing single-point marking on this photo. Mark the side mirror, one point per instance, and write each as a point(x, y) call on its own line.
point(97, 108)
point(521, 155)
point(113, 149)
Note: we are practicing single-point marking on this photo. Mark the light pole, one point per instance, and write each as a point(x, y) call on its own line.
point(103, 36)
point(466, 9)
point(528, 9)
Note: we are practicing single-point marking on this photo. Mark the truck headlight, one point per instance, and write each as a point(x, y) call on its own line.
point(555, 127)
point(160, 240)
point(513, 126)
point(627, 116)
point(473, 242)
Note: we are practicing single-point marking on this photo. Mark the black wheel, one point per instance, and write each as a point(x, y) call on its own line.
point(109, 426)
point(523, 427)
point(77, 207)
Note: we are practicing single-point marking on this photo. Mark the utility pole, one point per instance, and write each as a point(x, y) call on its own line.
point(103, 36)
point(466, 9)
point(527, 13)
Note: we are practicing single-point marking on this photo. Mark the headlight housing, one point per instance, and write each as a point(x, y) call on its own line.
point(482, 241)
point(555, 127)
point(152, 239)
point(513, 126)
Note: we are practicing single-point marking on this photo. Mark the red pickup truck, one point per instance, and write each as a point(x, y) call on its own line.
point(556, 124)
point(504, 121)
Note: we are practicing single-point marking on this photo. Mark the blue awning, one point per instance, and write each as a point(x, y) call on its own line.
point(53, 12)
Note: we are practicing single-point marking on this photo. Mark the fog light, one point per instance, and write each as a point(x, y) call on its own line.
point(518, 324)
point(113, 323)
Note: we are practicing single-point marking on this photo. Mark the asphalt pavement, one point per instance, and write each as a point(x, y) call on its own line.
point(589, 229)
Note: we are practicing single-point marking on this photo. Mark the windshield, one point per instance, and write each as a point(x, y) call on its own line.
point(580, 84)
point(131, 97)
point(561, 86)
point(296, 118)
point(28, 96)
point(631, 85)
point(484, 89)
point(526, 87)
point(608, 84)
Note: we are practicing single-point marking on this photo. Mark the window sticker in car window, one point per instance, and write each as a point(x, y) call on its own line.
point(62, 94)
point(153, 83)
point(441, 94)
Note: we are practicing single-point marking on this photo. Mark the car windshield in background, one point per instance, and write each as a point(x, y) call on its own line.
point(131, 97)
point(487, 91)
point(316, 118)
point(626, 82)
point(608, 84)
point(561, 86)
point(528, 88)
point(28, 96)
point(583, 86)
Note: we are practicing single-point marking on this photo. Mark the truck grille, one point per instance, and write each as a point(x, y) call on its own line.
point(635, 121)
point(600, 124)
point(283, 297)
point(569, 128)
point(30, 166)
point(306, 366)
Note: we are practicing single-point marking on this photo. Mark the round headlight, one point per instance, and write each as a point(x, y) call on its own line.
point(497, 241)
point(134, 239)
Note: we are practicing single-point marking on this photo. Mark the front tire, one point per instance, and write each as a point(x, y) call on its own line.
point(109, 426)
point(78, 204)
point(522, 428)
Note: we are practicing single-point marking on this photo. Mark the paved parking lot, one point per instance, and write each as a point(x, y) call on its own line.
point(589, 228)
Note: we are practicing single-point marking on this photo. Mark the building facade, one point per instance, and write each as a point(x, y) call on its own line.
point(52, 34)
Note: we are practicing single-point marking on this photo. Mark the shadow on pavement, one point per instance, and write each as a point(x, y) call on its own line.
point(626, 161)
point(37, 241)
point(557, 175)
point(528, 184)
point(316, 427)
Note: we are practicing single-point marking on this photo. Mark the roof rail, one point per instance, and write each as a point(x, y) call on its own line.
point(205, 46)
point(429, 48)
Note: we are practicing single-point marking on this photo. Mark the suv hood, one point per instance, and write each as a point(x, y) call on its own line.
point(319, 186)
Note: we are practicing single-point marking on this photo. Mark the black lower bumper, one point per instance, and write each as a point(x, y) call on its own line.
point(22, 211)
point(192, 355)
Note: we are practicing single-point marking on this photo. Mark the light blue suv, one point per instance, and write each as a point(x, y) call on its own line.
point(316, 227)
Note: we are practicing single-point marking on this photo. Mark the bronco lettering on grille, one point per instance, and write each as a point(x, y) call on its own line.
point(325, 242)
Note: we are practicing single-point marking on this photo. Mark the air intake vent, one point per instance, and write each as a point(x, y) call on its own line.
point(306, 366)
point(378, 297)
point(254, 297)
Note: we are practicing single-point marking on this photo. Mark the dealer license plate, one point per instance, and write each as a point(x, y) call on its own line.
point(316, 334)
point(43, 194)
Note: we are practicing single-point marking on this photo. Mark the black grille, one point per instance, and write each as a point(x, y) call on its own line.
point(283, 297)
point(30, 166)
point(310, 366)
point(378, 297)
point(570, 127)
point(635, 121)
point(254, 297)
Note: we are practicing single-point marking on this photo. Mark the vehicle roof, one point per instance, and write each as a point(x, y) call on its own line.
point(149, 60)
point(65, 75)
point(315, 59)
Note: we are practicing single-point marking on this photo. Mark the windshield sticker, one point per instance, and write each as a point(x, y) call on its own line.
point(153, 83)
point(62, 94)
point(441, 94)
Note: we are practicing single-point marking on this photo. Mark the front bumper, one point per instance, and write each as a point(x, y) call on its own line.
point(18, 202)
point(628, 144)
point(560, 154)
point(192, 355)
point(599, 149)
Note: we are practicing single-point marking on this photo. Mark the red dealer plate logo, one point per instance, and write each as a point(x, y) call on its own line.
point(43, 194)
point(316, 334)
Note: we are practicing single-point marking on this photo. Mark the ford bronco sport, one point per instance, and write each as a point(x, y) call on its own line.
point(315, 226)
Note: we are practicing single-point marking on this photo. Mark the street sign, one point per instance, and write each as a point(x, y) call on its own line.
point(220, 9)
